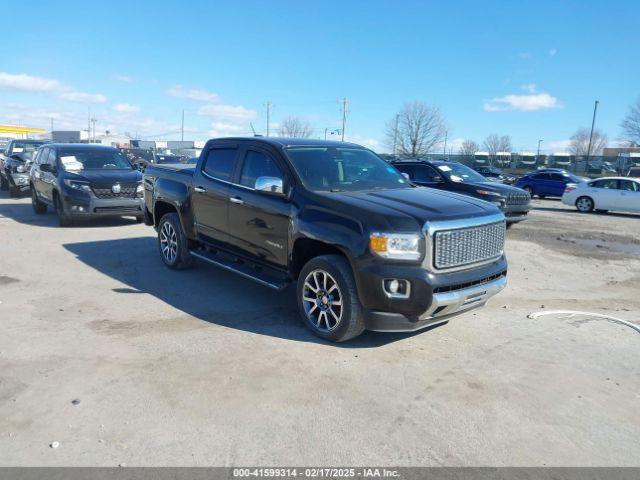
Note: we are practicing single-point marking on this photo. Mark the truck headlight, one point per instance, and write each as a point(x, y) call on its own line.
point(21, 169)
point(77, 185)
point(396, 246)
point(140, 190)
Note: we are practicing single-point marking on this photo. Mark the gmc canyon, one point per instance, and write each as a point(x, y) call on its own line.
point(366, 248)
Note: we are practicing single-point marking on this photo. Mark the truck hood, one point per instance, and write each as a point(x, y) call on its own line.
point(421, 204)
point(500, 188)
point(105, 177)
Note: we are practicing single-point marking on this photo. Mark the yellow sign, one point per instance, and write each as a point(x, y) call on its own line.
point(19, 130)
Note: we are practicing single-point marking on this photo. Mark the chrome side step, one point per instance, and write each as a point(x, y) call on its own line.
point(243, 269)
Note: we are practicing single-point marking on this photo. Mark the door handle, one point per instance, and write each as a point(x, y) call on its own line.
point(237, 200)
point(199, 189)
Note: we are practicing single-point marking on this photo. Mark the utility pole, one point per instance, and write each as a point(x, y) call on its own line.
point(93, 120)
point(182, 128)
point(444, 150)
point(88, 124)
point(395, 134)
point(538, 154)
point(593, 122)
point(345, 102)
point(268, 116)
point(52, 126)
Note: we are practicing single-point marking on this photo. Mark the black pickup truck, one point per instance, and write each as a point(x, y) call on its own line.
point(366, 248)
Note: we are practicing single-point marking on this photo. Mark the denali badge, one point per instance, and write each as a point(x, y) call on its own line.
point(116, 188)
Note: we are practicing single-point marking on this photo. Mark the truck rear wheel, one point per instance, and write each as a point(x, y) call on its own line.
point(328, 299)
point(172, 243)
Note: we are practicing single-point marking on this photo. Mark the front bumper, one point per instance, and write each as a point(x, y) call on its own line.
point(516, 213)
point(443, 306)
point(20, 180)
point(88, 205)
point(432, 297)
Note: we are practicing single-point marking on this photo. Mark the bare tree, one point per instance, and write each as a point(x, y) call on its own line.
point(469, 147)
point(631, 125)
point(420, 127)
point(295, 127)
point(580, 142)
point(495, 143)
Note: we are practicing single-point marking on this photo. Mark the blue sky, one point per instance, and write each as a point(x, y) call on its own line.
point(529, 69)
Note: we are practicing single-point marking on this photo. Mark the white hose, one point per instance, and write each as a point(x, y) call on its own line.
point(571, 313)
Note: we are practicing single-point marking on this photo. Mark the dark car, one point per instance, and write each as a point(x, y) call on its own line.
point(456, 177)
point(83, 181)
point(495, 174)
point(633, 172)
point(15, 162)
point(365, 248)
point(547, 182)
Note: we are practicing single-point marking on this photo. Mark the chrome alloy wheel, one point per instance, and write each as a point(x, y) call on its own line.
point(322, 300)
point(168, 242)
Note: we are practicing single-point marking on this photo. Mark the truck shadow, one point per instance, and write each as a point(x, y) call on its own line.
point(208, 293)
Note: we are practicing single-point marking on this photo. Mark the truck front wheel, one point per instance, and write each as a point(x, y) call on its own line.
point(328, 298)
point(173, 243)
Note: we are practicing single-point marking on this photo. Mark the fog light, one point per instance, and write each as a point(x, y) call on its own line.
point(77, 208)
point(396, 288)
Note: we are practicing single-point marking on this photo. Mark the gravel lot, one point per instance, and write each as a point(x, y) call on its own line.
point(202, 367)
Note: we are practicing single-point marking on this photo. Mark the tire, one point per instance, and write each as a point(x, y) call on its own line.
point(529, 190)
point(64, 219)
point(584, 204)
point(333, 321)
point(38, 207)
point(173, 245)
point(4, 184)
point(14, 192)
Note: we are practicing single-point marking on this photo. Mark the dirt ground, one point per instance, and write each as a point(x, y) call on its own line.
point(202, 367)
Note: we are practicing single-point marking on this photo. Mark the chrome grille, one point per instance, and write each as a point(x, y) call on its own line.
point(518, 198)
point(104, 191)
point(468, 246)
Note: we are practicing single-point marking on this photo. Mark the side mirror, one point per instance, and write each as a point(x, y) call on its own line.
point(271, 185)
point(46, 167)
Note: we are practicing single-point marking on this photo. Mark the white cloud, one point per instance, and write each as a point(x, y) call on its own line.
point(227, 129)
point(192, 94)
point(552, 52)
point(524, 55)
point(122, 78)
point(235, 112)
point(529, 87)
point(27, 83)
point(83, 97)
point(126, 108)
point(524, 103)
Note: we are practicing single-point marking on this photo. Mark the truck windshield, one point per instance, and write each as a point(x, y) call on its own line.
point(338, 169)
point(458, 172)
point(76, 159)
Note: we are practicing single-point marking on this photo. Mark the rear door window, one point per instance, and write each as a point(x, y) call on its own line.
point(630, 185)
point(221, 163)
point(609, 184)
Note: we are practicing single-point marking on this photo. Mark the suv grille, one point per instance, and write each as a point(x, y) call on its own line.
point(127, 190)
point(518, 198)
point(467, 246)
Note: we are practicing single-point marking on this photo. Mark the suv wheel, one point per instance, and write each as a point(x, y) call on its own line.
point(4, 184)
point(172, 243)
point(64, 218)
point(328, 299)
point(37, 205)
point(584, 204)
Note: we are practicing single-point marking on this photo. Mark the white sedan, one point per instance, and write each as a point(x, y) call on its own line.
point(609, 193)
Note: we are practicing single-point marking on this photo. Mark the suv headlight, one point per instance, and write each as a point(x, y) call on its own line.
point(396, 246)
point(487, 192)
point(77, 185)
point(21, 169)
point(140, 190)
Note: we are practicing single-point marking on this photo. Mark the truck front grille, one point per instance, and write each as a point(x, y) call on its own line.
point(518, 198)
point(106, 191)
point(467, 246)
